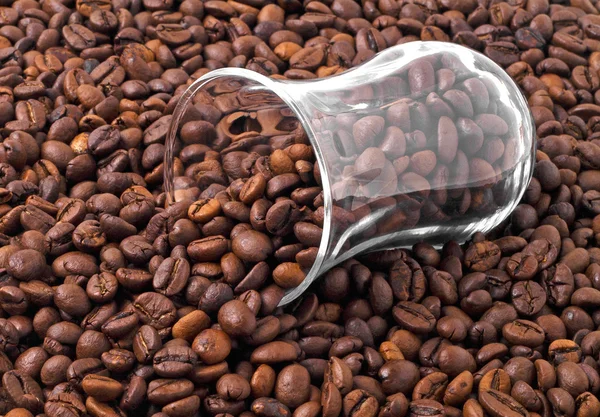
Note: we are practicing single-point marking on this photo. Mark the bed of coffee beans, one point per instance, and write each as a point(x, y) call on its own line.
point(108, 309)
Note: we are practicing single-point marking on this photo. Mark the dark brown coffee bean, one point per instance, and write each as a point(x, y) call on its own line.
point(359, 403)
point(208, 249)
point(171, 276)
point(102, 287)
point(55, 404)
point(499, 404)
point(23, 390)
point(523, 332)
point(453, 360)
point(414, 317)
point(292, 387)
point(102, 388)
point(79, 37)
point(252, 246)
point(174, 361)
point(165, 391)
point(155, 309)
point(146, 343)
point(421, 78)
point(269, 407)
point(528, 297)
point(366, 130)
point(503, 53)
point(571, 378)
point(212, 346)
point(426, 407)
point(72, 299)
point(26, 265)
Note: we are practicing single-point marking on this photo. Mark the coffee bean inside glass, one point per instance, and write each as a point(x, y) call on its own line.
point(427, 141)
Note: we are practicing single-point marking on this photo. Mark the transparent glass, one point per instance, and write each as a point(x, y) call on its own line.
point(427, 141)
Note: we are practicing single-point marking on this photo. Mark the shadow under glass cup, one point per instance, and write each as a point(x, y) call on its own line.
point(427, 141)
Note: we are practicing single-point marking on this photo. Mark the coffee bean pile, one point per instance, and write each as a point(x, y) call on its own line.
point(114, 303)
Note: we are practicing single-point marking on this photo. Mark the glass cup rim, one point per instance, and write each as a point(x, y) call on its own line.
point(278, 87)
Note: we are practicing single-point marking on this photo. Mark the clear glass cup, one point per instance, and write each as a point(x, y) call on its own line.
point(427, 141)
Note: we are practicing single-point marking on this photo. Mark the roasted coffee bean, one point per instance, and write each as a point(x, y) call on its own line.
point(165, 391)
point(102, 287)
point(155, 309)
point(23, 390)
point(414, 317)
point(101, 388)
point(64, 400)
point(236, 319)
point(190, 325)
point(78, 37)
point(269, 407)
point(171, 276)
point(359, 403)
point(72, 299)
point(523, 332)
point(174, 361)
point(498, 404)
point(391, 382)
point(118, 360)
point(292, 387)
point(212, 346)
point(146, 343)
point(252, 246)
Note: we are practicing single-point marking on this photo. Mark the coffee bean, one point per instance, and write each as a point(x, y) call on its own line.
point(292, 387)
point(390, 380)
point(171, 276)
point(269, 407)
point(23, 390)
point(414, 316)
point(366, 130)
point(571, 378)
point(146, 343)
point(101, 388)
point(288, 275)
point(425, 407)
point(208, 249)
point(55, 405)
point(252, 246)
point(155, 309)
point(78, 37)
point(118, 360)
point(453, 360)
point(173, 34)
point(165, 391)
point(212, 346)
point(26, 265)
point(359, 403)
point(421, 78)
point(72, 299)
point(174, 361)
point(236, 319)
point(190, 325)
point(274, 352)
point(528, 297)
point(499, 404)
